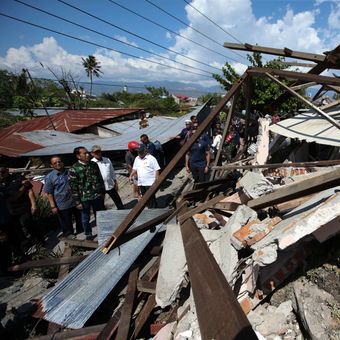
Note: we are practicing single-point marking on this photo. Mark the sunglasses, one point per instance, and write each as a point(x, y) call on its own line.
point(56, 162)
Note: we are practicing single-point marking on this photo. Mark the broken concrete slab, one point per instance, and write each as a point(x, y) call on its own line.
point(275, 323)
point(304, 220)
point(262, 143)
point(172, 266)
point(253, 231)
point(255, 184)
point(314, 307)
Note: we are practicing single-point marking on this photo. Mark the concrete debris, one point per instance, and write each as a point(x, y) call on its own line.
point(315, 308)
point(275, 323)
point(172, 267)
point(255, 184)
point(262, 144)
point(265, 255)
point(304, 220)
point(239, 255)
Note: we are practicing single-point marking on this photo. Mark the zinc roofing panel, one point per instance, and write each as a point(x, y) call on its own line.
point(163, 132)
point(67, 121)
point(310, 126)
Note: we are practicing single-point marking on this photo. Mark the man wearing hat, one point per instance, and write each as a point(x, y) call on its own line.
point(108, 174)
point(185, 133)
point(147, 169)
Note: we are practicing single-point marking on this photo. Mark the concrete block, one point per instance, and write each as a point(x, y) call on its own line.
point(255, 184)
point(262, 143)
point(172, 266)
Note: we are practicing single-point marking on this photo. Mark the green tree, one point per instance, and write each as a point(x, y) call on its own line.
point(7, 89)
point(92, 68)
point(265, 90)
point(215, 98)
point(158, 92)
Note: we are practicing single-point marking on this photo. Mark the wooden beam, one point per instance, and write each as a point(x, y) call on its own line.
point(311, 105)
point(276, 51)
point(330, 105)
point(291, 63)
point(306, 187)
point(303, 86)
point(144, 315)
point(148, 276)
point(200, 208)
point(146, 286)
point(218, 311)
point(90, 332)
point(134, 213)
point(46, 263)
point(125, 319)
point(280, 165)
point(80, 243)
point(224, 135)
point(261, 71)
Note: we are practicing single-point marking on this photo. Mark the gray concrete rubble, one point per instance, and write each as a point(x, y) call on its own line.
point(304, 220)
point(255, 184)
point(317, 311)
point(262, 143)
point(172, 268)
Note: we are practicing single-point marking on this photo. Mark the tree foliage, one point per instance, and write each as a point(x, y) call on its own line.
point(92, 68)
point(265, 90)
point(153, 101)
point(215, 98)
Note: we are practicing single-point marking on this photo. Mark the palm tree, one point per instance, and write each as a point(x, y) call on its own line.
point(92, 67)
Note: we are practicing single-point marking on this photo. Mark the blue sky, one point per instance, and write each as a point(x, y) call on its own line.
point(303, 25)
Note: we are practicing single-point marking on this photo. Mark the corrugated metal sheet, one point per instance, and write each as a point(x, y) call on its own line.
point(163, 132)
point(67, 121)
point(310, 126)
point(47, 137)
point(133, 125)
point(38, 112)
point(72, 301)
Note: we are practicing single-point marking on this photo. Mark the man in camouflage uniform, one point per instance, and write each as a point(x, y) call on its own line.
point(87, 187)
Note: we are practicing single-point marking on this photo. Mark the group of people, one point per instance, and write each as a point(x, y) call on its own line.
point(73, 192)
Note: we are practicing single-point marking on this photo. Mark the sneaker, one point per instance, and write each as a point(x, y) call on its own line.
point(89, 237)
point(71, 236)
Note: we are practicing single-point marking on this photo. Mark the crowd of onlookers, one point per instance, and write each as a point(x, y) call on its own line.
point(72, 193)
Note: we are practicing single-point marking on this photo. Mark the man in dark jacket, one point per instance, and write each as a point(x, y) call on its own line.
point(87, 187)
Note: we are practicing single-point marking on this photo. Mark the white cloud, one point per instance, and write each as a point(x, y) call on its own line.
point(334, 17)
point(295, 30)
point(126, 40)
point(168, 35)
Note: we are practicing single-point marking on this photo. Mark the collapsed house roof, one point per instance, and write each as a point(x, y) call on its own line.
point(249, 218)
point(311, 127)
point(14, 145)
point(162, 130)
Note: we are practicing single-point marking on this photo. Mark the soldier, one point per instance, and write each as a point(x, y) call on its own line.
point(87, 187)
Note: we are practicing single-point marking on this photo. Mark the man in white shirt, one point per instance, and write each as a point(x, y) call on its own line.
point(108, 174)
point(147, 169)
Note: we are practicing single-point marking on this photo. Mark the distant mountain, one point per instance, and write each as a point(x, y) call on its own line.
point(188, 89)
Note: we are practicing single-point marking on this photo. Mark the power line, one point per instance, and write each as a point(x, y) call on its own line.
point(98, 45)
point(193, 28)
point(167, 29)
point(213, 22)
point(134, 34)
point(112, 38)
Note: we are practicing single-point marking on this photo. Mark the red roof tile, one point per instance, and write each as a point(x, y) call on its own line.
point(13, 145)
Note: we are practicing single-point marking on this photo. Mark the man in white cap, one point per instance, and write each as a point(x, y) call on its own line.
point(185, 133)
point(108, 174)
